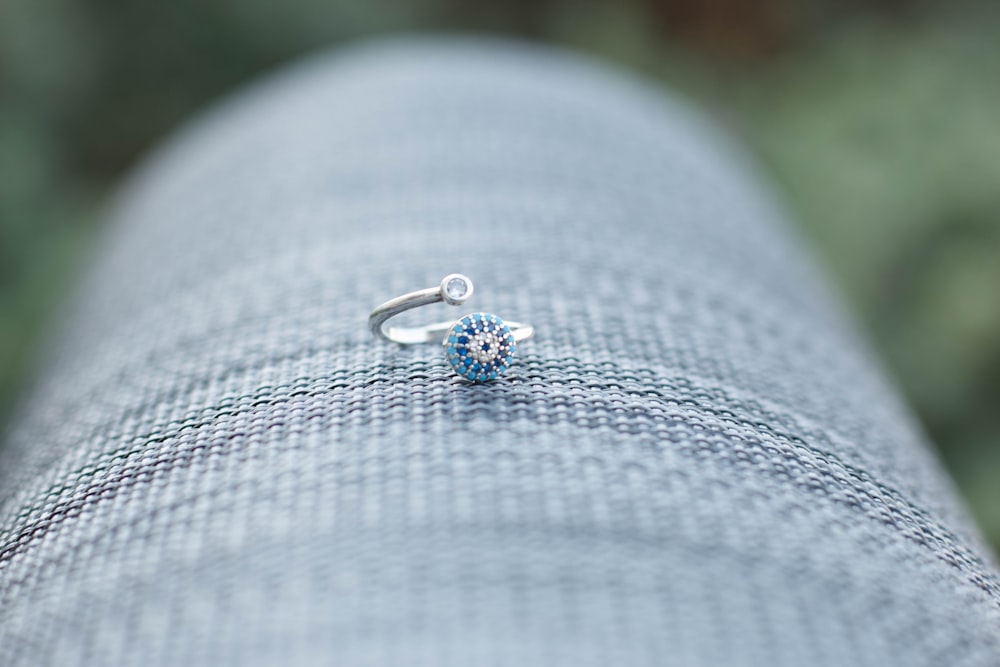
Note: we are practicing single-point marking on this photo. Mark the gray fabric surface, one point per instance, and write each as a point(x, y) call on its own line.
point(695, 462)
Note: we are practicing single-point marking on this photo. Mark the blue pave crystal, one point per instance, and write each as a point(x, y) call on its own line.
point(479, 347)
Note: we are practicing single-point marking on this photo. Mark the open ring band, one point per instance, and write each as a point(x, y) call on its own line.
point(479, 346)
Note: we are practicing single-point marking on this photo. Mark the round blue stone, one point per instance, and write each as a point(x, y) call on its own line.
point(464, 353)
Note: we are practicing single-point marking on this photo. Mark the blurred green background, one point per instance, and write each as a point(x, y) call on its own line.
point(878, 120)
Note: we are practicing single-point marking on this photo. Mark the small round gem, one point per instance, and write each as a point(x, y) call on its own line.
point(487, 347)
point(456, 288)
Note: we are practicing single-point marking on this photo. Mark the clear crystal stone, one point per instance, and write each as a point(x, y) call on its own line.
point(456, 288)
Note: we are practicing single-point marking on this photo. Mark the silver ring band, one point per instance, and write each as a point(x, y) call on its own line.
point(432, 333)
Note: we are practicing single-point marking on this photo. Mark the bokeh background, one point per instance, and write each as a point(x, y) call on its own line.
point(878, 120)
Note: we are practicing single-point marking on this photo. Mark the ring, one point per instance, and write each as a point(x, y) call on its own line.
point(479, 346)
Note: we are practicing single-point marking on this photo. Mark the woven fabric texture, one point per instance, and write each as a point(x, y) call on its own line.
point(696, 461)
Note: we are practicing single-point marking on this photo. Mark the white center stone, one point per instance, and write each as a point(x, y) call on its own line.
point(456, 288)
point(485, 347)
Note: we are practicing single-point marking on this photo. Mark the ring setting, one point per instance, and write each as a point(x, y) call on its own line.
point(479, 346)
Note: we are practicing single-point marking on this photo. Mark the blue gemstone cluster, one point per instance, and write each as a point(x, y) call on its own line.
point(479, 347)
